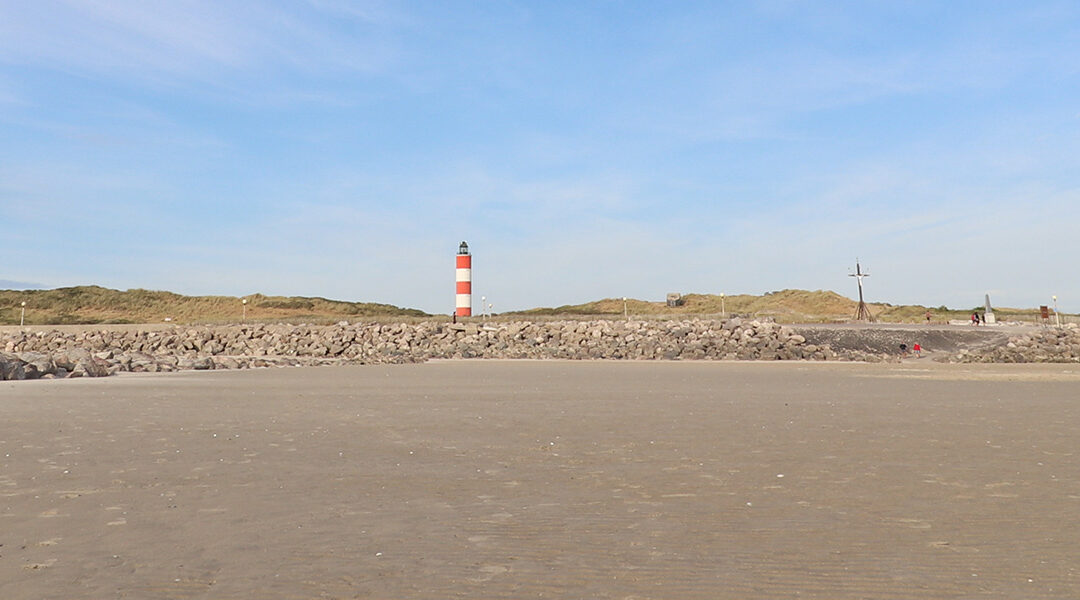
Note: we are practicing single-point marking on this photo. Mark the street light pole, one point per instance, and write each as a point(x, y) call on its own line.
point(1057, 317)
point(625, 310)
point(22, 317)
point(244, 302)
point(723, 309)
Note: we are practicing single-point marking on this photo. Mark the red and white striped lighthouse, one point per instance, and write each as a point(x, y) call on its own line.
point(464, 281)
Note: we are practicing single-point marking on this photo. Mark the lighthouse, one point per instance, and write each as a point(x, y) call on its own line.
point(464, 282)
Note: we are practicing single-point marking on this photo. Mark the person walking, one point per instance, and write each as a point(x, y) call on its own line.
point(917, 349)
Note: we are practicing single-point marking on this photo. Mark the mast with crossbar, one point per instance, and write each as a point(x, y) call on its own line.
point(862, 313)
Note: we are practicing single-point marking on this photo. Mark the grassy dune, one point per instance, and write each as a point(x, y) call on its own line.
point(98, 305)
point(786, 306)
point(93, 304)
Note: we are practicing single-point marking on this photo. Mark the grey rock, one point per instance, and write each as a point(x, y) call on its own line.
point(203, 364)
point(11, 368)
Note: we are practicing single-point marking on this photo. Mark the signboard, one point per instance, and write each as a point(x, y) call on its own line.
point(1045, 312)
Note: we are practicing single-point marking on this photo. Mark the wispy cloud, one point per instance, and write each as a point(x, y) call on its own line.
point(232, 47)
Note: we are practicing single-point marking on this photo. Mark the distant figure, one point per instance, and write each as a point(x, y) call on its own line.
point(974, 318)
point(917, 349)
point(455, 317)
point(982, 318)
point(927, 317)
point(903, 349)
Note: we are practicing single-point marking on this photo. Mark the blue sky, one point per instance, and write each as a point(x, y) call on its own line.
point(583, 149)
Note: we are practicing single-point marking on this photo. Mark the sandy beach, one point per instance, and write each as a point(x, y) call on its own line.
point(545, 479)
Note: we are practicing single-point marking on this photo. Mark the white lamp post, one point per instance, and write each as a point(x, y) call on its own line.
point(723, 309)
point(1057, 317)
point(483, 307)
point(625, 310)
point(22, 317)
point(244, 302)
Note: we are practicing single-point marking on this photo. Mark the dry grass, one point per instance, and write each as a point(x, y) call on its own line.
point(786, 306)
point(93, 305)
point(97, 305)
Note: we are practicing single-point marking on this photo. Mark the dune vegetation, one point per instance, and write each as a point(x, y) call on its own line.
point(98, 305)
point(785, 306)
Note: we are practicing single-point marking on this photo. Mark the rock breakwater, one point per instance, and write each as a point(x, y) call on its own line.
point(1049, 344)
point(98, 352)
point(54, 354)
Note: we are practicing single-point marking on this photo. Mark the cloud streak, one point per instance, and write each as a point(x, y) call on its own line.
point(224, 50)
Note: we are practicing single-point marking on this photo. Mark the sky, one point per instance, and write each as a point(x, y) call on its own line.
point(584, 149)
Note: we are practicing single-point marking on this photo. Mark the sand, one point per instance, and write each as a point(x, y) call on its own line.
point(501, 479)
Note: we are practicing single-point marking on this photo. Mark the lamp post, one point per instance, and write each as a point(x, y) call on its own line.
point(723, 311)
point(244, 303)
point(1057, 317)
point(625, 310)
point(22, 317)
point(483, 307)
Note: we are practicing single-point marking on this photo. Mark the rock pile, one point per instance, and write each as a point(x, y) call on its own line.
point(1051, 344)
point(731, 339)
point(45, 354)
point(67, 362)
point(94, 353)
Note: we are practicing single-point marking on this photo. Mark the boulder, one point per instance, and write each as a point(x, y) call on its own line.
point(203, 364)
point(11, 368)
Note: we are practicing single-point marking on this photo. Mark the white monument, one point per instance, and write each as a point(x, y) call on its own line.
point(988, 312)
